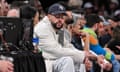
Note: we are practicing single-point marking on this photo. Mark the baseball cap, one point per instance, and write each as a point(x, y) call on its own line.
point(104, 21)
point(117, 12)
point(88, 5)
point(56, 9)
point(115, 1)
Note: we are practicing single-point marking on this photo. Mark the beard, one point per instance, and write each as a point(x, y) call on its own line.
point(57, 27)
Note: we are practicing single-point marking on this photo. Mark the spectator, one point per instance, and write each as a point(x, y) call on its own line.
point(113, 6)
point(75, 3)
point(114, 44)
point(47, 31)
point(103, 31)
point(37, 4)
point(88, 7)
point(113, 21)
point(93, 21)
point(30, 17)
point(76, 35)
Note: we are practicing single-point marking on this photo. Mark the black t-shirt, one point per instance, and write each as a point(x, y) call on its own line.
point(77, 43)
point(112, 45)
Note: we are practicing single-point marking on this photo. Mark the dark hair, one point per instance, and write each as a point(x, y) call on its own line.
point(116, 33)
point(115, 18)
point(27, 12)
point(17, 4)
point(92, 19)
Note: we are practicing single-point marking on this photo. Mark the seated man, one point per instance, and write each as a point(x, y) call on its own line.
point(47, 32)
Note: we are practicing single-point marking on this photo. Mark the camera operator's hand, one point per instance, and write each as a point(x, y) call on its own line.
point(6, 66)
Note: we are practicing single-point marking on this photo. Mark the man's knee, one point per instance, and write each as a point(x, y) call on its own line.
point(64, 64)
point(64, 61)
point(67, 59)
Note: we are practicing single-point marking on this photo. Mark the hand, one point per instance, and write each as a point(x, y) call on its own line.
point(104, 63)
point(90, 55)
point(100, 59)
point(6, 66)
point(84, 34)
point(118, 47)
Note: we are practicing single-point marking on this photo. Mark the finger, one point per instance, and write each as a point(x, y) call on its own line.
point(10, 64)
point(6, 70)
point(118, 46)
point(10, 71)
point(10, 68)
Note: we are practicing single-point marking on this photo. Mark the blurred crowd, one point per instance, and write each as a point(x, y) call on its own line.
point(89, 32)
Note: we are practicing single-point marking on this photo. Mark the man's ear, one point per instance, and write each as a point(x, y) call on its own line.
point(48, 15)
point(96, 25)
